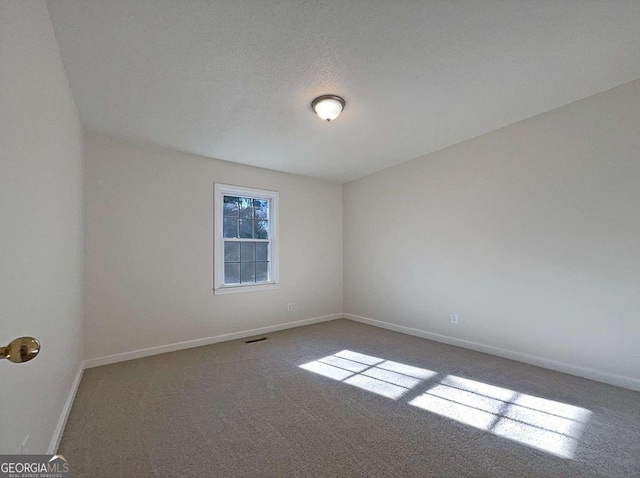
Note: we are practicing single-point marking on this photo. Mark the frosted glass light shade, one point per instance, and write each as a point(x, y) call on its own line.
point(328, 107)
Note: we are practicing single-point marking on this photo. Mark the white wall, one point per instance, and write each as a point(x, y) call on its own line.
point(149, 250)
point(531, 234)
point(41, 239)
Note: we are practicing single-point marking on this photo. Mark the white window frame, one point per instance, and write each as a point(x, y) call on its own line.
point(221, 190)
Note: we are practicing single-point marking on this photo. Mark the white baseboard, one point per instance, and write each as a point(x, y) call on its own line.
point(64, 416)
point(592, 374)
point(598, 375)
point(109, 359)
point(96, 362)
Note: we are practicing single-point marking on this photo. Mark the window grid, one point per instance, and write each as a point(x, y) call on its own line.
point(246, 240)
point(245, 218)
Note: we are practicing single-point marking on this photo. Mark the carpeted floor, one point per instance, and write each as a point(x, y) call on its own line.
point(343, 399)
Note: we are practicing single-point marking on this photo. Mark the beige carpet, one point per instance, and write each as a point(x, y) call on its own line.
point(342, 399)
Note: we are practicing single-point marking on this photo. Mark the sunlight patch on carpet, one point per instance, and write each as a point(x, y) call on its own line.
point(551, 426)
point(383, 377)
point(547, 425)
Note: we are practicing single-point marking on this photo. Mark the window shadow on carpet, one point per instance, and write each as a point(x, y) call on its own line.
point(547, 425)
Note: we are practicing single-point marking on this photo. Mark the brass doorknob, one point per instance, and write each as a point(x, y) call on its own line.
point(20, 350)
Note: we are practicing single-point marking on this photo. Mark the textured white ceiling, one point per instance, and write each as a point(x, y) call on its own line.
point(234, 80)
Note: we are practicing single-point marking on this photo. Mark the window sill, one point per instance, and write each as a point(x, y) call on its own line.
point(244, 288)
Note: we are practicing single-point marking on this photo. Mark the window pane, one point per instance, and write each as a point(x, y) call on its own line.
point(232, 273)
point(231, 206)
point(247, 272)
point(231, 251)
point(246, 208)
point(244, 257)
point(261, 207)
point(262, 251)
point(230, 227)
point(262, 271)
point(248, 251)
point(246, 228)
point(262, 230)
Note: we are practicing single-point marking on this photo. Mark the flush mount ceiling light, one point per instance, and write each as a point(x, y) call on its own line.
point(328, 107)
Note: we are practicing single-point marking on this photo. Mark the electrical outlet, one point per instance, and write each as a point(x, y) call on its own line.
point(454, 319)
point(290, 307)
point(24, 448)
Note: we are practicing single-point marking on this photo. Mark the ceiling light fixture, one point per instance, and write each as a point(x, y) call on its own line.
point(328, 107)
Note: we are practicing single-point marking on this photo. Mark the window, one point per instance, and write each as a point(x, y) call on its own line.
point(246, 247)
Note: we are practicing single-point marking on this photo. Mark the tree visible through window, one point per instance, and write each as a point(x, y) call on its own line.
point(245, 237)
